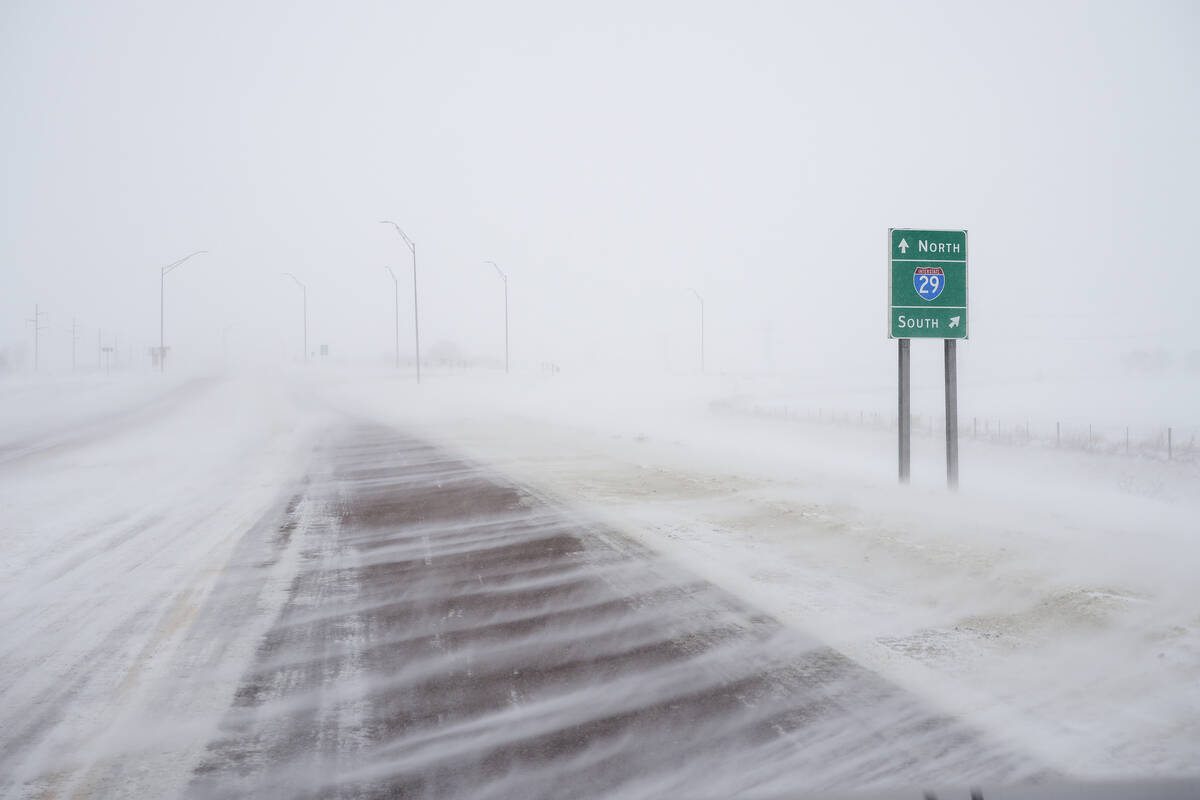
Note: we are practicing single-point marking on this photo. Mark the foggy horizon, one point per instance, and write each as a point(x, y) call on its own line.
point(610, 162)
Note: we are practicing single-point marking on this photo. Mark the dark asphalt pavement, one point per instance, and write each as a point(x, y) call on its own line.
point(451, 635)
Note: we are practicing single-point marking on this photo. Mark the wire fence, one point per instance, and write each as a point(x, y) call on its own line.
point(1164, 442)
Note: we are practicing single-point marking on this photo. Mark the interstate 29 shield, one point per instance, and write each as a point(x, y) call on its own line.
point(929, 282)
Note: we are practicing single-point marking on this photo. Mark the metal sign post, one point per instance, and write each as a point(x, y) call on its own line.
point(951, 413)
point(904, 425)
point(927, 291)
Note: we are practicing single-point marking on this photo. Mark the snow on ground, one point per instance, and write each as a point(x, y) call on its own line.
point(44, 410)
point(113, 537)
point(1051, 600)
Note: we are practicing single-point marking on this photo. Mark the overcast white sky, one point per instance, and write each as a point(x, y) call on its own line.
point(610, 157)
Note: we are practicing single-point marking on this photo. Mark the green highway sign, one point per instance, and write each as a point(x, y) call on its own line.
point(927, 284)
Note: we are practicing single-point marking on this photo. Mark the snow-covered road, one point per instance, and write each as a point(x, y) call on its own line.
point(449, 635)
point(115, 530)
point(1052, 600)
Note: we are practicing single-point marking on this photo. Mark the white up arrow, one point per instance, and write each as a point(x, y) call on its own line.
point(903, 247)
point(954, 321)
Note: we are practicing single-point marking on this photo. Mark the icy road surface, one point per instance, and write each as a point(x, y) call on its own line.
point(448, 635)
point(121, 508)
point(272, 587)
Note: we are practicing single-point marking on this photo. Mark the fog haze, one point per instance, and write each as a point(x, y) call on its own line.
point(637, 562)
point(610, 158)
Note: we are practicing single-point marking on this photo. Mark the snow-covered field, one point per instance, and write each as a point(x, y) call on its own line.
point(1051, 601)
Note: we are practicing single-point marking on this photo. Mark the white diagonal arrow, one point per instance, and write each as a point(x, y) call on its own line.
point(954, 321)
point(903, 247)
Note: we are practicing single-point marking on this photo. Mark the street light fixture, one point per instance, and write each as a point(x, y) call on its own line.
point(305, 290)
point(162, 280)
point(416, 322)
point(504, 278)
point(701, 299)
point(396, 292)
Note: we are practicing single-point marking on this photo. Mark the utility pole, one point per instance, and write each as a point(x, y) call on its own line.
point(503, 277)
point(305, 290)
point(396, 305)
point(412, 246)
point(38, 327)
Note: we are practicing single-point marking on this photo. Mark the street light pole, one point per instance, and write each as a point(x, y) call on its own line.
point(504, 278)
point(416, 320)
point(701, 299)
point(162, 280)
point(396, 293)
point(304, 289)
